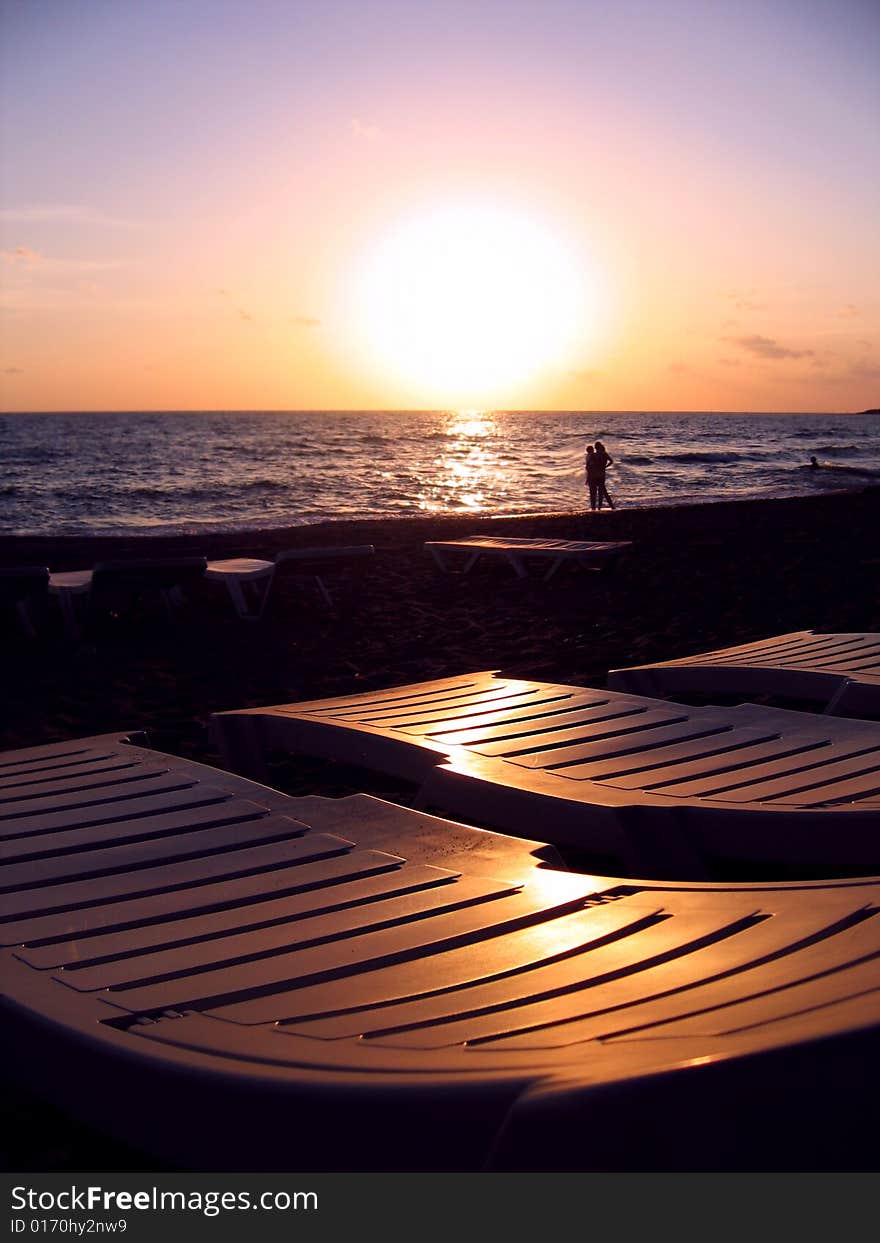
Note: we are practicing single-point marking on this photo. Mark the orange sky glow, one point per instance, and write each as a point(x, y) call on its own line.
point(385, 205)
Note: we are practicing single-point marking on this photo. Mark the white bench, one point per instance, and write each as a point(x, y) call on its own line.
point(586, 554)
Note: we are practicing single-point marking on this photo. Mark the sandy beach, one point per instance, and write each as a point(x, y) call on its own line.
point(697, 577)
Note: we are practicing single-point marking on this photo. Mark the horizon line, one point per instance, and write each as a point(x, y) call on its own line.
point(417, 410)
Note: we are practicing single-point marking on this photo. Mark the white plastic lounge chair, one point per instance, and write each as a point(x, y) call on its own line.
point(21, 589)
point(662, 788)
point(586, 554)
point(841, 671)
point(229, 979)
point(249, 580)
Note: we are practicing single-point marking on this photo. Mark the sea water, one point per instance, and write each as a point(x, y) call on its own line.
point(166, 473)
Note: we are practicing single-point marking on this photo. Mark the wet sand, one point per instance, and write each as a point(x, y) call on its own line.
point(697, 577)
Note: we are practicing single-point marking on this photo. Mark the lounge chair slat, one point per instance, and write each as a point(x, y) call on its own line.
point(307, 923)
point(402, 985)
point(93, 777)
point(577, 717)
point(633, 767)
point(153, 874)
point(733, 1014)
point(47, 768)
point(645, 730)
point(254, 873)
point(592, 1006)
point(626, 967)
point(475, 914)
point(216, 809)
point(333, 884)
point(703, 1004)
point(106, 805)
point(479, 925)
point(557, 714)
point(217, 827)
point(808, 770)
point(462, 708)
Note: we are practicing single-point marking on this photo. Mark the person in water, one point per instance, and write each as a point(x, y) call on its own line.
point(603, 459)
point(592, 472)
point(814, 463)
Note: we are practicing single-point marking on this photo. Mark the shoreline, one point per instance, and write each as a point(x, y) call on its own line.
point(697, 577)
point(64, 552)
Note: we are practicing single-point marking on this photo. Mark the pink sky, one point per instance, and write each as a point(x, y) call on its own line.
point(192, 193)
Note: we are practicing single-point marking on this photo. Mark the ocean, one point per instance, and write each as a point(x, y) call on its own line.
point(175, 473)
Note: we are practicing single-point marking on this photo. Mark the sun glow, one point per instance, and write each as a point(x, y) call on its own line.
point(465, 302)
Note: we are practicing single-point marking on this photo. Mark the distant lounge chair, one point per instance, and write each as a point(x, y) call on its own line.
point(659, 787)
point(586, 554)
point(228, 978)
point(841, 671)
point(22, 587)
point(124, 583)
point(249, 580)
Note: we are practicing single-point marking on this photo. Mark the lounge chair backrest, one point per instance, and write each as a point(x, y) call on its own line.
point(156, 572)
point(328, 553)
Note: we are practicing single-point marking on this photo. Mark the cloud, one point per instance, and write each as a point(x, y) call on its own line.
point(744, 300)
point(584, 375)
point(244, 314)
point(306, 321)
point(678, 368)
point(13, 370)
point(766, 347)
point(22, 256)
point(850, 311)
point(369, 133)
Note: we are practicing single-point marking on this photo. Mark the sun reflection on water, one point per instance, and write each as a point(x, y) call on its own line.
point(467, 462)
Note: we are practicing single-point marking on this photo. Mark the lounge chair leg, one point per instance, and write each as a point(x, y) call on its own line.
point(172, 598)
point(24, 616)
point(328, 599)
point(68, 614)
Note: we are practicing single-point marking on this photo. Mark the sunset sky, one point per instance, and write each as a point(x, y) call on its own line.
point(361, 204)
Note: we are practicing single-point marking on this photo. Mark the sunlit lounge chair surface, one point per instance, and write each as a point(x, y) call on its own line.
point(662, 788)
point(229, 978)
point(841, 671)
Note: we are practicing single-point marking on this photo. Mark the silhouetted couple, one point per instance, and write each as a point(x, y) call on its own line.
point(597, 460)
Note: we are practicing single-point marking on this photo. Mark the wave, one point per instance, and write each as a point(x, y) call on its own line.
point(695, 459)
point(839, 468)
point(831, 473)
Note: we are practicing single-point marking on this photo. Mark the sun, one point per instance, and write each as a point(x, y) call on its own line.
point(464, 302)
